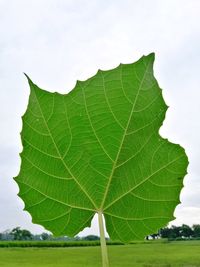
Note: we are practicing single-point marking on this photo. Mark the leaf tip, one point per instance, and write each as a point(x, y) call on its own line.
point(150, 57)
point(120, 65)
point(29, 80)
point(26, 75)
point(22, 118)
point(78, 82)
point(98, 71)
point(173, 217)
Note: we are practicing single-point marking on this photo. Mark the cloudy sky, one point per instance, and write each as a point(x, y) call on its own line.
point(58, 42)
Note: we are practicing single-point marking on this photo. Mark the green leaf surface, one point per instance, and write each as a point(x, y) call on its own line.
point(98, 149)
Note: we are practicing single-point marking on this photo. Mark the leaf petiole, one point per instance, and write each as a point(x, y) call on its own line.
point(104, 253)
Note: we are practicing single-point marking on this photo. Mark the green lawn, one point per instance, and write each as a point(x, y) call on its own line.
point(185, 254)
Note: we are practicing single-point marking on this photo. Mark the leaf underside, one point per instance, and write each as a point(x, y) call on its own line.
point(97, 148)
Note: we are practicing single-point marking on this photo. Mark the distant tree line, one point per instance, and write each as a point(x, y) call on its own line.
point(181, 232)
point(25, 235)
point(174, 232)
point(178, 232)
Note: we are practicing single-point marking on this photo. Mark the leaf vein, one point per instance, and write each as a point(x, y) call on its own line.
point(122, 141)
point(143, 181)
point(56, 200)
point(67, 168)
point(89, 119)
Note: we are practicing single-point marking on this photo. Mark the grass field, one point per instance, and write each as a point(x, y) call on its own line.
point(152, 254)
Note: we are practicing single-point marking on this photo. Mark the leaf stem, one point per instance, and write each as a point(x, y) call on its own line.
point(104, 253)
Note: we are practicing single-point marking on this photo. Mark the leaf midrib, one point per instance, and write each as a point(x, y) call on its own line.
point(123, 137)
point(45, 122)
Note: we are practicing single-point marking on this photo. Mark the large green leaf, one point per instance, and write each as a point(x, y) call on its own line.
point(98, 149)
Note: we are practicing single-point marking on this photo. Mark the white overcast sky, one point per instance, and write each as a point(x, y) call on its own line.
point(57, 42)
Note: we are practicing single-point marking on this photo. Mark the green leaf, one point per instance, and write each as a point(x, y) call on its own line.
point(97, 149)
